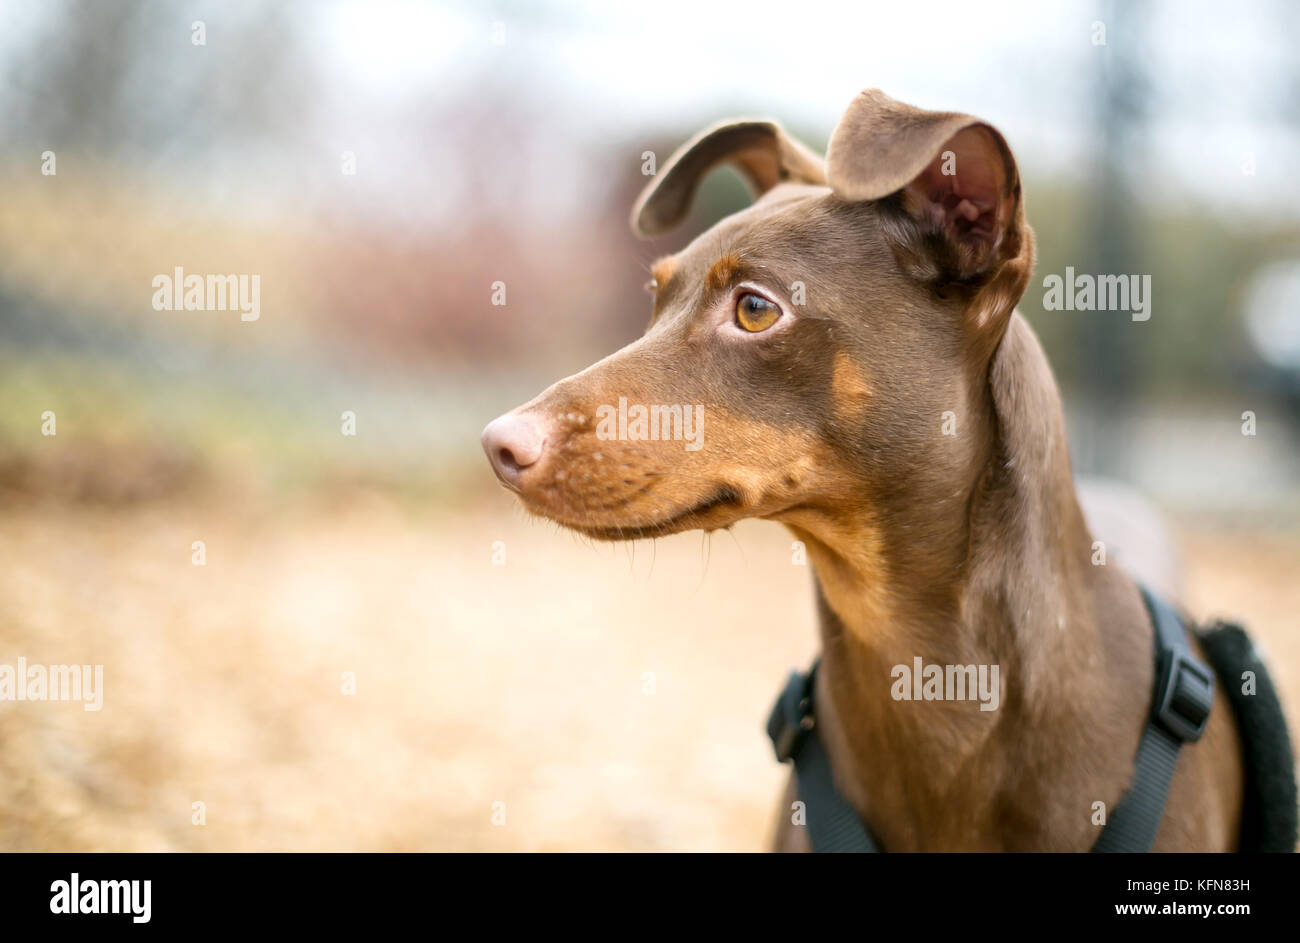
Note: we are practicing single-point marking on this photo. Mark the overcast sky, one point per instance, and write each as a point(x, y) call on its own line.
point(1224, 77)
point(1223, 82)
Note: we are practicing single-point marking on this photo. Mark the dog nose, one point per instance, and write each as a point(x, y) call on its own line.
point(512, 443)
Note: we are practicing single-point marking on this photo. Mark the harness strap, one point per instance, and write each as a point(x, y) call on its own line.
point(833, 824)
point(1180, 709)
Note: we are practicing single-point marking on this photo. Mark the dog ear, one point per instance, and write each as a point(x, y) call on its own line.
point(760, 150)
point(955, 186)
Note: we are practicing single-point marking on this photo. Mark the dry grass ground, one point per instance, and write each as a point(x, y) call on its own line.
point(611, 697)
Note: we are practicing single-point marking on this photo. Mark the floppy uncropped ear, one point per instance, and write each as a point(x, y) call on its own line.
point(760, 150)
point(957, 185)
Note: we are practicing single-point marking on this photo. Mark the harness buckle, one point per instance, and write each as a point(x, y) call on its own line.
point(1186, 695)
point(792, 716)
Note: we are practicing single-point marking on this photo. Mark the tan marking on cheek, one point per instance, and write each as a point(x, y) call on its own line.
point(723, 271)
point(768, 465)
point(616, 482)
point(850, 390)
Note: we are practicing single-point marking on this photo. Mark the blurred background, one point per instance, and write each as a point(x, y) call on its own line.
point(380, 165)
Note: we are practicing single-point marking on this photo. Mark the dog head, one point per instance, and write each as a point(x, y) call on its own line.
point(827, 348)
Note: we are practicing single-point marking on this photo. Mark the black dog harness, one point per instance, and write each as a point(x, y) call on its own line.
point(1180, 709)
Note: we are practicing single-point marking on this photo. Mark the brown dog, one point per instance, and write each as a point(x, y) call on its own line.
point(853, 345)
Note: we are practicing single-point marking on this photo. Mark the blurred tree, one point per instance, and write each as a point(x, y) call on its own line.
point(1108, 342)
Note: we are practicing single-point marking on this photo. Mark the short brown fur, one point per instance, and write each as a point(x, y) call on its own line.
point(961, 543)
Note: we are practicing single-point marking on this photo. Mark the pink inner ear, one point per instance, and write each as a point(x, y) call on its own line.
point(962, 190)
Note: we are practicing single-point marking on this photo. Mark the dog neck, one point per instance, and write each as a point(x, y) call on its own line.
point(1007, 582)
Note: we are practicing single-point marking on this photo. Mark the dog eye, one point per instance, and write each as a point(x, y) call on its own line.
point(755, 313)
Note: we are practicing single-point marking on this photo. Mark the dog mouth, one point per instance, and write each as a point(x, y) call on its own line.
point(694, 516)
